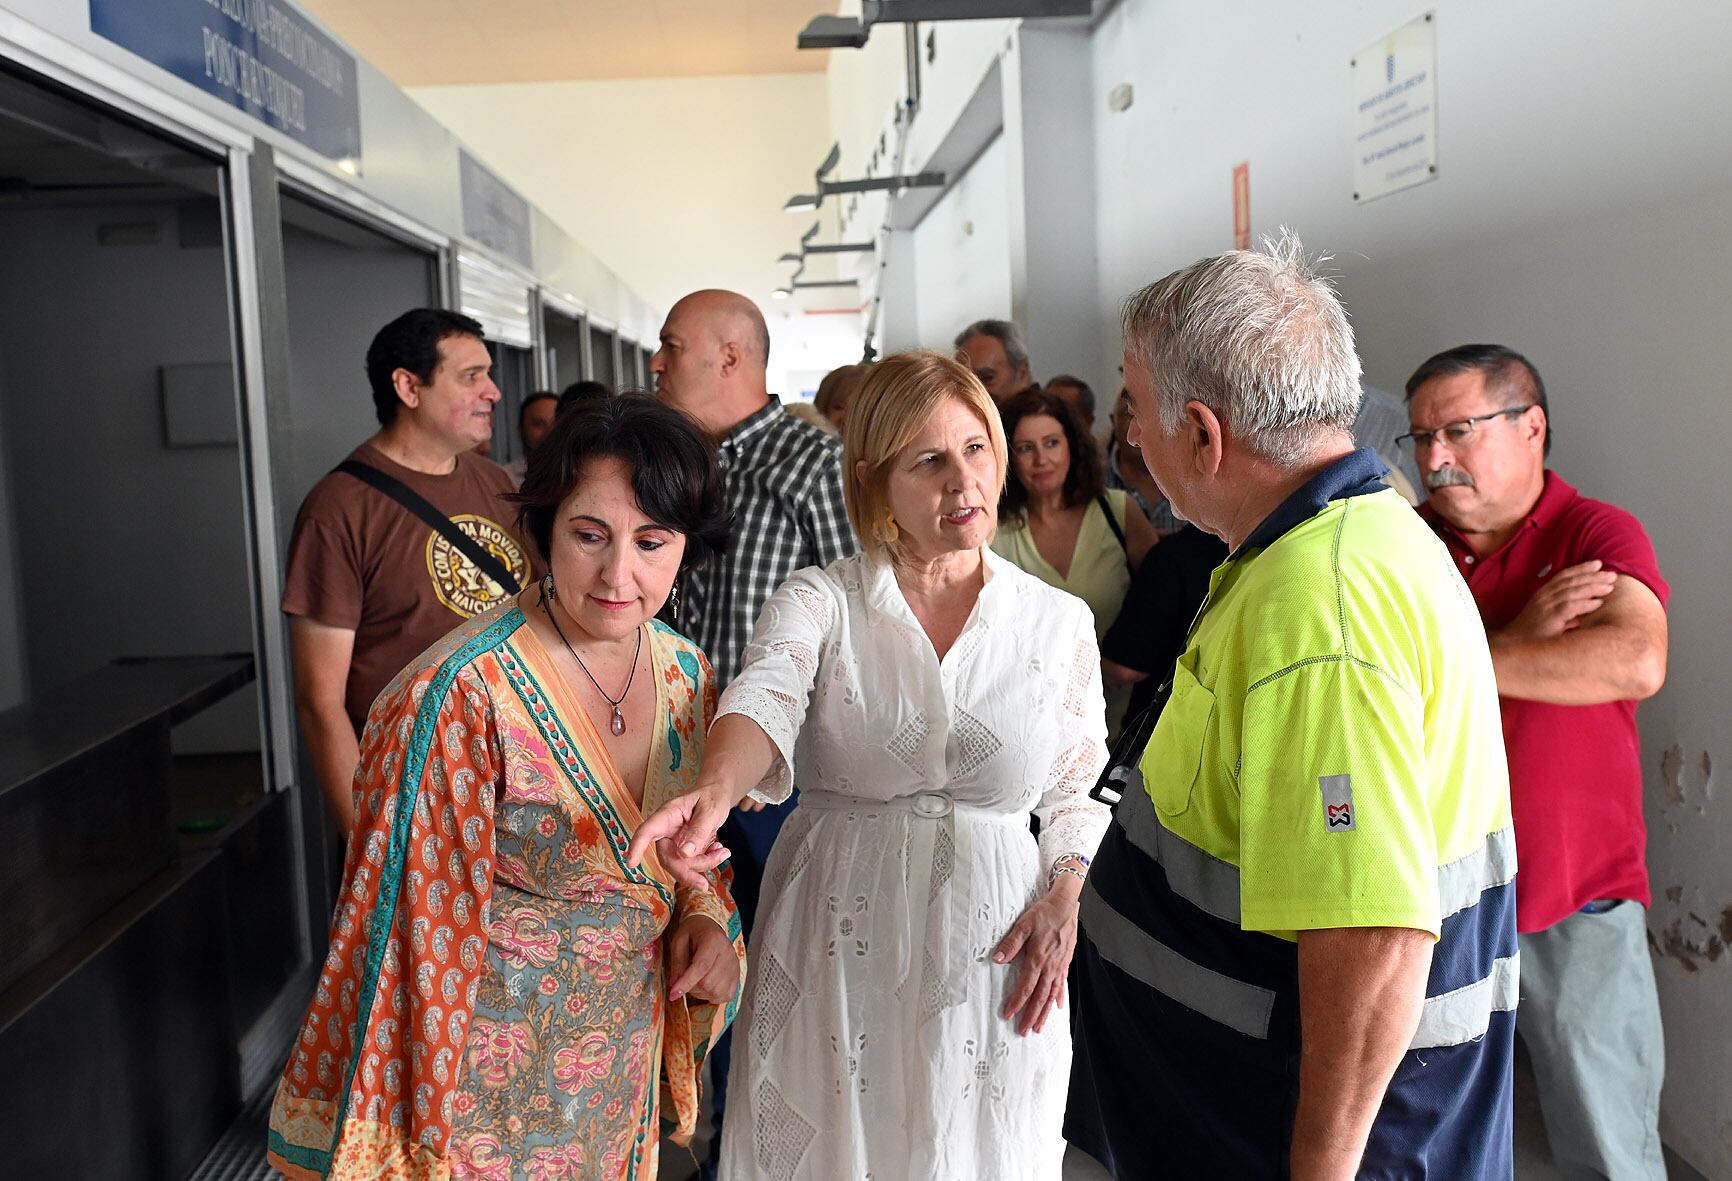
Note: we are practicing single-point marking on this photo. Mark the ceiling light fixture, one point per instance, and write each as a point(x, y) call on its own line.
point(847, 32)
point(875, 184)
point(841, 248)
point(808, 247)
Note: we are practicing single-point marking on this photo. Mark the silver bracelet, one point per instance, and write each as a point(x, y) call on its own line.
point(1080, 875)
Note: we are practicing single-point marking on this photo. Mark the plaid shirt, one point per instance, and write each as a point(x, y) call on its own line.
point(784, 483)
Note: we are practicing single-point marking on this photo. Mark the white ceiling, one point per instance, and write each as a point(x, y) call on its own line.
point(448, 42)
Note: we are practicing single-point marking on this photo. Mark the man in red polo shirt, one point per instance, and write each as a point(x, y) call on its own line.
point(1574, 608)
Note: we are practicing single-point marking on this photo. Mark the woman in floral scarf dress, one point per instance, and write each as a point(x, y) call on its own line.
point(503, 998)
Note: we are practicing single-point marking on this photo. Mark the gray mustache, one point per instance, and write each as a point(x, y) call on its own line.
point(1446, 477)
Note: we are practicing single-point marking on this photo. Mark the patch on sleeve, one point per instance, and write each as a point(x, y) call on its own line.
point(1337, 802)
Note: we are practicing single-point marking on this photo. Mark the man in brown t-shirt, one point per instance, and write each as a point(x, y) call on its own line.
point(369, 584)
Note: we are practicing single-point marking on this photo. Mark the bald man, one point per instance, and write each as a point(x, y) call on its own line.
point(784, 484)
point(784, 478)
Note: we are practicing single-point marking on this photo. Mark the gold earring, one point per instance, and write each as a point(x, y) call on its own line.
point(887, 530)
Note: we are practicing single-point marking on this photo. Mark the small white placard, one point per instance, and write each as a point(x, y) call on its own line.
point(1395, 111)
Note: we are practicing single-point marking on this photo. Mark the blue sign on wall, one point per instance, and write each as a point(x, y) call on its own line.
point(262, 56)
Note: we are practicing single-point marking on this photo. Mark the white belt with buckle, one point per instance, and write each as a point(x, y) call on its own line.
point(932, 805)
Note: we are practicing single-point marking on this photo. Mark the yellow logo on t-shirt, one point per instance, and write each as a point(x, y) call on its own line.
point(457, 581)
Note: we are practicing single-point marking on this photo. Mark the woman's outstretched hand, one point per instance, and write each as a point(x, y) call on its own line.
point(1042, 942)
point(684, 829)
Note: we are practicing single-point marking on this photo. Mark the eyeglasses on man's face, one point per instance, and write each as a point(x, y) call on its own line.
point(1459, 433)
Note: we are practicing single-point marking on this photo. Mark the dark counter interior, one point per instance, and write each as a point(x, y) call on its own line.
point(151, 920)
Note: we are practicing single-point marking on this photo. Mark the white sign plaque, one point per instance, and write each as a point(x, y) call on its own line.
point(1395, 111)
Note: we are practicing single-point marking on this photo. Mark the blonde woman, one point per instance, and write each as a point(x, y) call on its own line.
point(912, 938)
point(836, 393)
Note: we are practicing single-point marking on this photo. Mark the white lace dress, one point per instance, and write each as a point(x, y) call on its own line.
point(869, 1044)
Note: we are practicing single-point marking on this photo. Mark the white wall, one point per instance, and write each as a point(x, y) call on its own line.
point(806, 343)
point(961, 254)
point(1049, 132)
point(1006, 112)
point(677, 183)
point(1581, 214)
point(868, 89)
point(865, 86)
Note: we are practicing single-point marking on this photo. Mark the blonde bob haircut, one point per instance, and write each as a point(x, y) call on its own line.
point(893, 404)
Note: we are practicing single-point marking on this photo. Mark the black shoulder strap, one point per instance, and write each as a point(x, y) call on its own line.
point(1127, 752)
point(1113, 523)
point(444, 525)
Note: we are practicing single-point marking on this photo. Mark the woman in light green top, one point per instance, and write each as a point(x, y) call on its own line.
point(1059, 524)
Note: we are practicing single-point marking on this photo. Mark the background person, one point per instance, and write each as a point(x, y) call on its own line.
point(1574, 607)
point(836, 393)
point(914, 938)
point(1125, 471)
point(1298, 940)
point(534, 420)
point(1060, 525)
point(369, 585)
point(1075, 393)
point(579, 392)
point(1141, 646)
point(538, 1000)
point(995, 351)
point(807, 413)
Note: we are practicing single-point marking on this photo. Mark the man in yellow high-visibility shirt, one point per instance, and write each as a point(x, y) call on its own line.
point(1298, 949)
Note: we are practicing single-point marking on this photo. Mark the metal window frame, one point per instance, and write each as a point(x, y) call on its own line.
point(548, 300)
point(624, 354)
point(232, 152)
point(106, 84)
point(258, 348)
point(611, 327)
point(312, 183)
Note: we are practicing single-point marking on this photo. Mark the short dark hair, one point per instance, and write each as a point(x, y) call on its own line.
point(582, 391)
point(532, 399)
point(1085, 394)
point(1082, 483)
point(673, 471)
point(1509, 377)
point(411, 342)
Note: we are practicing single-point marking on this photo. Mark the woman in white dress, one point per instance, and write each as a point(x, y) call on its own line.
point(912, 939)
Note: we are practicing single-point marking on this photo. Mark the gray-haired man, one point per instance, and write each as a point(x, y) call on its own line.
point(1298, 939)
point(994, 349)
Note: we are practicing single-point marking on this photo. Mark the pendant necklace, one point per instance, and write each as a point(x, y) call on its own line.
point(618, 723)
